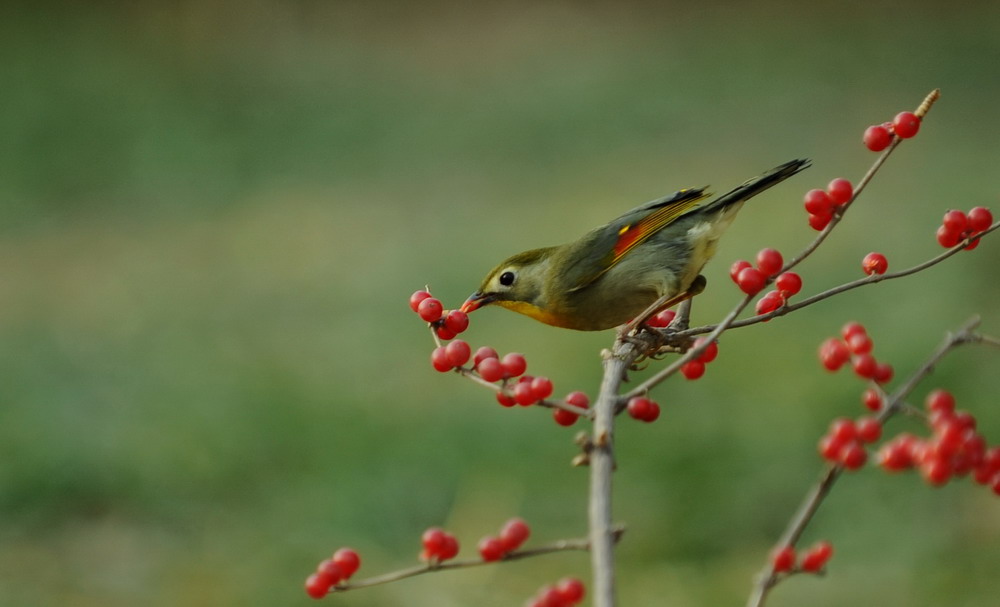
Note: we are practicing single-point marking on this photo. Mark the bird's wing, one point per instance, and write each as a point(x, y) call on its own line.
point(601, 249)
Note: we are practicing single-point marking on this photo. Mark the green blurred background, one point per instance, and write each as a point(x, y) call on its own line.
point(212, 214)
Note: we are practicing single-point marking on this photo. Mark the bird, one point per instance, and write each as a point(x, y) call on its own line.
point(612, 274)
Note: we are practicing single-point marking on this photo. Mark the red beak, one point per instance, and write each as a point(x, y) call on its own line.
point(474, 302)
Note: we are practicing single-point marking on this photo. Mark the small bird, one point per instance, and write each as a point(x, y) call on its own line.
point(615, 272)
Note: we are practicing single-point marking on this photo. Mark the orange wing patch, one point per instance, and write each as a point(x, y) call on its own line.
point(634, 234)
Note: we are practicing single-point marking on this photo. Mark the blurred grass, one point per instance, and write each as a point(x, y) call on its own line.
point(211, 215)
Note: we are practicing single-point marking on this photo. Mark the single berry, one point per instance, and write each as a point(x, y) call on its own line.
point(514, 364)
point(817, 556)
point(564, 417)
point(458, 352)
point(868, 429)
point(770, 302)
point(936, 471)
point(972, 245)
point(871, 399)
point(348, 561)
point(578, 399)
point(783, 559)
point(874, 263)
point(769, 261)
point(693, 369)
point(505, 399)
point(738, 265)
point(788, 283)
point(490, 370)
point(711, 350)
point(541, 387)
point(643, 409)
point(750, 280)
point(852, 456)
point(852, 328)
point(482, 354)
point(490, 548)
point(514, 533)
point(430, 309)
point(433, 541)
point(456, 321)
point(859, 343)
point(883, 373)
point(450, 548)
point(524, 395)
point(318, 585)
point(955, 221)
point(662, 318)
point(443, 331)
point(819, 221)
point(980, 219)
point(877, 137)
point(571, 590)
point(818, 202)
point(833, 353)
point(906, 124)
point(439, 358)
point(940, 401)
point(331, 570)
point(829, 447)
point(417, 297)
point(947, 238)
point(840, 190)
point(864, 366)
point(843, 430)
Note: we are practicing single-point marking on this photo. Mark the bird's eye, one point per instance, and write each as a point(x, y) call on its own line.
point(507, 278)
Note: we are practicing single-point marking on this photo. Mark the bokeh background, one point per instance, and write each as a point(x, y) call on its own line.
point(212, 214)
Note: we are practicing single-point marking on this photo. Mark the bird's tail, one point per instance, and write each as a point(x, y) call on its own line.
point(756, 185)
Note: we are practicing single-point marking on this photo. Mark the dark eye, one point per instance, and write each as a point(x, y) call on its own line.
point(507, 278)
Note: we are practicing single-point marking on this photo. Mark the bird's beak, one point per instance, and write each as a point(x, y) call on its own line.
point(476, 301)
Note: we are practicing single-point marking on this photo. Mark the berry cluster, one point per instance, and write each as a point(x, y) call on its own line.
point(751, 280)
point(812, 561)
point(822, 204)
point(643, 409)
point(568, 418)
point(439, 545)
point(447, 323)
point(332, 571)
point(693, 369)
point(513, 533)
point(878, 136)
point(954, 449)
point(844, 442)
point(957, 226)
point(855, 346)
point(565, 593)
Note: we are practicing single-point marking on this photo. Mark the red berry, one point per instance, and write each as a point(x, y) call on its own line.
point(872, 399)
point(490, 369)
point(783, 559)
point(883, 373)
point(514, 533)
point(439, 358)
point(693, 369)
point(524, 395)
point(710, 352)
point(906, 124)
point(817, 556)
point(578, 399)
point(430, 309)
point(936, 471)
point(819, 221)
point(456, 321)
point(955, 221)
point(829, 447)
point(947, 238)
point(564, 417)
point(331, 570)
point(348, 561)
point(417, 297)
point(738, 265)
point(769, 261)
point(433, 541)
point(972, 245)
point(771, 301)
point(482, 354)
point(643, 409)
point(750, 280)
point(541, 387)
point(833, 354)
point(490, 549)
point(859, 343)
point(874, 263)
point(788, 283)
point(450, 548)
point(940, 401)
point(843, 430)
point(895, 455)
point(505, 399)
point(840, 190)
point(818, 202)
point(869, 429)
point(852, 456)
point(662, 318)
point(877, 137)
point(980, 219)
point(458, 352)
point(571, 590)
point(864, 366)
point(444, 332)
point(318, 585)
point(852, 328)
point(514, 364)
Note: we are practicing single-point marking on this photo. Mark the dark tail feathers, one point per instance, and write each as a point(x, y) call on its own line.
point(757, 185)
